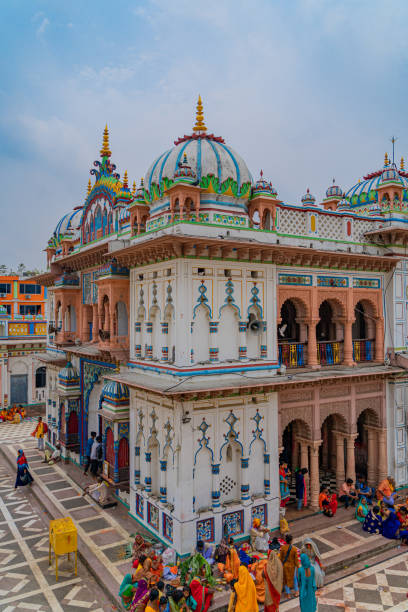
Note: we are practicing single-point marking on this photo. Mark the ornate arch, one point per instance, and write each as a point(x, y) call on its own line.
point(300, 299)
point(301, 416)
point(337, 302)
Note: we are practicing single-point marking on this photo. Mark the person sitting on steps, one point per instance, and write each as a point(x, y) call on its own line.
point(348, 493)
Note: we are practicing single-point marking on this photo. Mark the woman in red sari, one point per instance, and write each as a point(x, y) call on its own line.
point(201, 594)
point(273, 582)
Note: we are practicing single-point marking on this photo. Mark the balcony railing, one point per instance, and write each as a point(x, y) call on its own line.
point(363, 350)
point(330, 353)
point(292, 354)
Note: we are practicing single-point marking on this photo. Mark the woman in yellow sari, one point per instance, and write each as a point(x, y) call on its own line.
point(243, 596)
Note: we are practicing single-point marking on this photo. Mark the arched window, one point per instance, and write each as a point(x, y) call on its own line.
point(109, 447)
point(41, 377)
point(105, 223)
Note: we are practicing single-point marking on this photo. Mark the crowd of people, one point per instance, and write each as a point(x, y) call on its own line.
point(13, 414)
point(255, 574)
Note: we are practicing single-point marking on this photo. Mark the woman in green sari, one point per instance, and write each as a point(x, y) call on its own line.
point(127, 590)
point(362, 510)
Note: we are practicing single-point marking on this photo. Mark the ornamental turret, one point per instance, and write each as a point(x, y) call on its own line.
point(333, 196)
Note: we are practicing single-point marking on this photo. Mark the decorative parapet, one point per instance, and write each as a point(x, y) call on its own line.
point(112, 269)
point(67, 280)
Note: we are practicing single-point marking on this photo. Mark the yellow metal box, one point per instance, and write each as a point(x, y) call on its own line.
point(63, 536)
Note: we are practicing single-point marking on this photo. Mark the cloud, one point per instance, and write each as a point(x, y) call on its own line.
point(42, 27)
point(305, 90)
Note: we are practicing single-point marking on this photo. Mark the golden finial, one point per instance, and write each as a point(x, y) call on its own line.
point(89, 188)
point(105, 151)
point(125, 181)
point(386, 161)
point(402, 167)
point(134, 188)
point(142, 182)
point(199, 125)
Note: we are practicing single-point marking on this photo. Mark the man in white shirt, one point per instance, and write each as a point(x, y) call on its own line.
point(98, 491)
point(54, 457)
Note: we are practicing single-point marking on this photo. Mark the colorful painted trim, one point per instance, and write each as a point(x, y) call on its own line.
point(332, 281)
point(304, 280)
point(367, 283)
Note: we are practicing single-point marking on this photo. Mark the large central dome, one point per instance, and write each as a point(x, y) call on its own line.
point(217, 168)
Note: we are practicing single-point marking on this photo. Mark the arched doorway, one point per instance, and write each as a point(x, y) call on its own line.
point(363, 331)
point(72, 428)
point(333, 450)
point(329, 333)
point(366, 420)
point(123, 459)
point(291, 336)
point(291, 446)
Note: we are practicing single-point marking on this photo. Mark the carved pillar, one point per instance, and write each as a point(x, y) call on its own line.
point(214, 341)
point(116, 466)
point(382, 453)
point(244, 480)
point(163, 478)
point(348, 344)
point(312, 360)
point(112, 326)
point(148, 477)
point(137, 465)
point(264, 348)
point(242, 328)
point(149, 340)
point(267, 482)
point(95, 323)
point(304, 463)
point(314, 474)
point(197, 208)
point(138, 340)
point(372, 459)
point(295, 454)
point(165, 341)
point(215, 492)
point(350, 457)
point(340, 474)
point(379, 339)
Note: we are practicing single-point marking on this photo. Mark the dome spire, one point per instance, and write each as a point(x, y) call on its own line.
point(89, 188)
point(125, 180)
point(105, 151)
point(386, 160)
point(134, 188)
point(402, 167)
point(199, 125)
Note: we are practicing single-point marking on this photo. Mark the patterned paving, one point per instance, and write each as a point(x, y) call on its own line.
point(378, 588)
point(27, 582)
point(20, 432)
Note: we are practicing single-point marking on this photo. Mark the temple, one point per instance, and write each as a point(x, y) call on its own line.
point(206, 329)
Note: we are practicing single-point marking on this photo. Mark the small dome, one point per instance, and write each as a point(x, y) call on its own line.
point(308, 199)
point(69, 224)
point(334, 191)
point(68, 375)
point(184, 173)
point(390, 173)
point(115, 392)
point(263, 187)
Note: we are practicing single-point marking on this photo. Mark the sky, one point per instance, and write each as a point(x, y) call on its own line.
point(306, 90)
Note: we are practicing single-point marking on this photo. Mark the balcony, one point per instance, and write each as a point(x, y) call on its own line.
point(330, 353)
point(363, 350)
point(292, 354)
